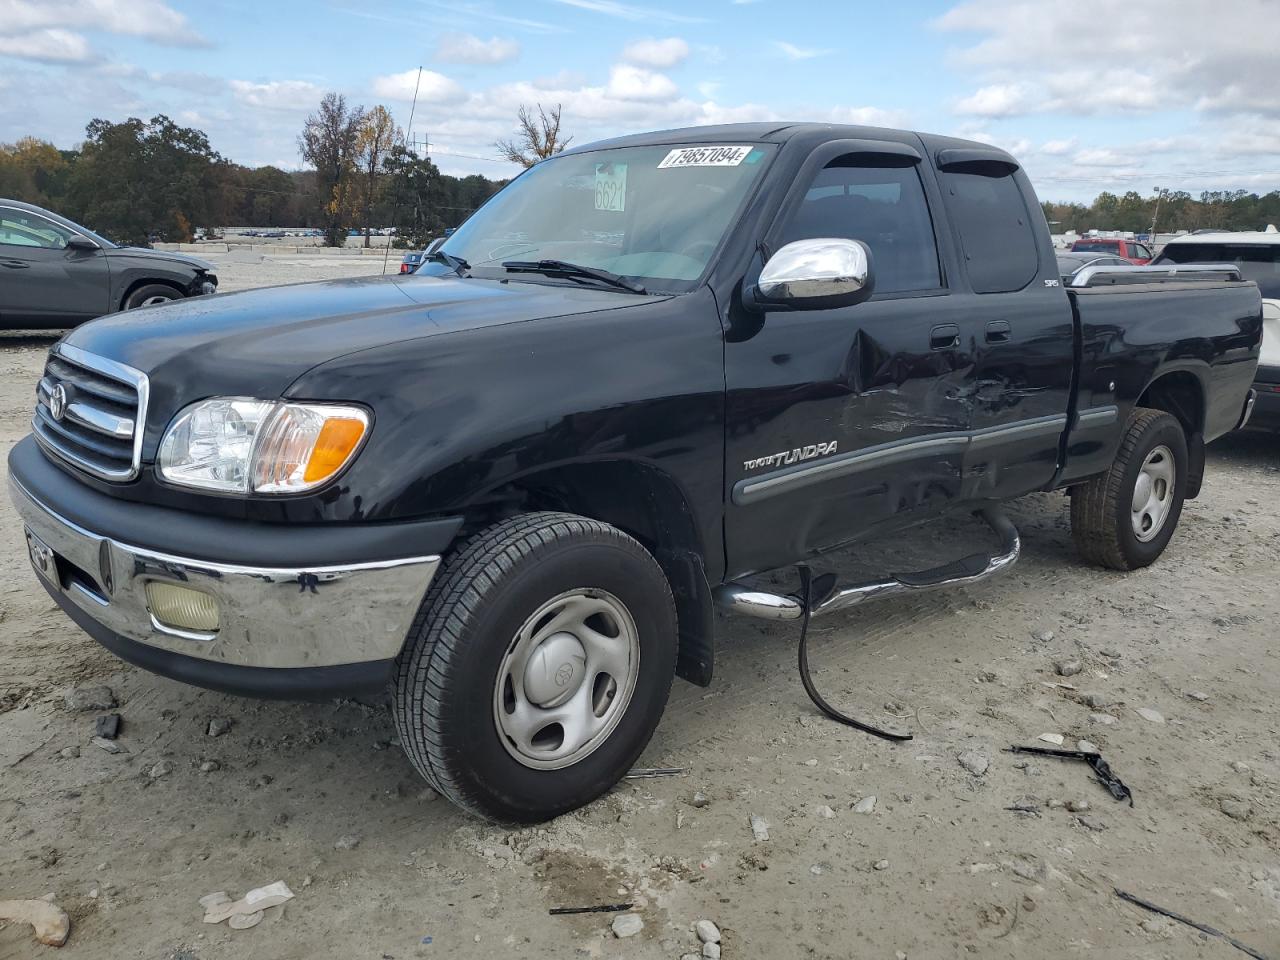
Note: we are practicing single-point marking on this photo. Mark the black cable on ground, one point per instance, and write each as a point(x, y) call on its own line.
point(806, 586)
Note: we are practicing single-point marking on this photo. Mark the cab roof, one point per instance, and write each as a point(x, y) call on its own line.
point(780, 132)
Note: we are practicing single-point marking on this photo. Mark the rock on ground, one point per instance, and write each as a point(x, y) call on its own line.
point(707, 931)
point(89, 698)
point(627, 925)
point(975, 762)
point(1236, 809)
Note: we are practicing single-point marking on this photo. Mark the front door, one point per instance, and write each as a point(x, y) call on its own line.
point(843, 420)
point(42, 283)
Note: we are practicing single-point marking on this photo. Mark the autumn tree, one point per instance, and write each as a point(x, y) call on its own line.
point(329, 142)
point(378, 134)
point(537, 139)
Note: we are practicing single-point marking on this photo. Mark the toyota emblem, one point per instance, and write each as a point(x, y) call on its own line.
point(58, 402)
point(564, 674)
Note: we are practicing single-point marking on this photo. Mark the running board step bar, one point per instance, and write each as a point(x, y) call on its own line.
point(739, 598)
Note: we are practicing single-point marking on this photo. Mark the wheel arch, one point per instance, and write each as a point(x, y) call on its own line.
point(148, 282)
point(644, 502)
point(1182, 394)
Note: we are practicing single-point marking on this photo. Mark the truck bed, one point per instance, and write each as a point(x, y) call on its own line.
point(1201, 334)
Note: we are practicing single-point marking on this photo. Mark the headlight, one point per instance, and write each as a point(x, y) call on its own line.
point(236, 445)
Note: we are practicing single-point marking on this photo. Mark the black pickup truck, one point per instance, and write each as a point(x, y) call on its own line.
point(513, 486)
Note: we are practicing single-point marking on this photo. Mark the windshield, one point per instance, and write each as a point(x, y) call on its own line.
point(654, 214)
point(1258, 263)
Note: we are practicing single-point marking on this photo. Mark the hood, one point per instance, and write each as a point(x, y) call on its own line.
point(257, 342)
point(167, 255)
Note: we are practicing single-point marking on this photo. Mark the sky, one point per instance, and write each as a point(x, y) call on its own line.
point(1180, 94)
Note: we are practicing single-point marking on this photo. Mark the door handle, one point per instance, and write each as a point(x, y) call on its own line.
point(999, 331)
point(944, 336)
point(14, 264)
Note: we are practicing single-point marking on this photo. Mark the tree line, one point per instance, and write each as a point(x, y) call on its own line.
point(1171, 210)
point(140, 181)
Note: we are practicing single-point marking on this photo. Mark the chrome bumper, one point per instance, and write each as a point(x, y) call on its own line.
point(269, 616)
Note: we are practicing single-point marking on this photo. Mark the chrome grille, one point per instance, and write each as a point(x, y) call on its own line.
point(90, 412)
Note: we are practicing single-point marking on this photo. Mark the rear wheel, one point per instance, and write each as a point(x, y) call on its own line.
point(149, 294)
point(538, 667)
point(1124, 518)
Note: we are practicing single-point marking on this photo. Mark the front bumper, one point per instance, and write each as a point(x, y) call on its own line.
point(298, 631)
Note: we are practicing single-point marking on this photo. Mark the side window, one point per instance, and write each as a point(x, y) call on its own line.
point(996, 235)
point(1141, 252)
point(21, 229)
point(858, 197)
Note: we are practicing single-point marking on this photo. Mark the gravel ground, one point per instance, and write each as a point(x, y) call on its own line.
point(321, 797)
point(240, 271)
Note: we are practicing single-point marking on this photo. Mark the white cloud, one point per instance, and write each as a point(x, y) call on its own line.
point(278, 94)
point(792, 52)
point(661, 54)
point(1102, 157)
point(434, 87)
point(627, 82)
point(1213, 57)
point(48, 46)
point(153, 19)
point(466, 48)
point(626, 11)
point(1058, 148)
point(998, 100)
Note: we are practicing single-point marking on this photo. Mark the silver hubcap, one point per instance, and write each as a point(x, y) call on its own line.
point(158, 298)
point(1153, 494)
point(566, 679)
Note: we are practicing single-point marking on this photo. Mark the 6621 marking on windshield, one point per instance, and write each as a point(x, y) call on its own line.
point(704, 157)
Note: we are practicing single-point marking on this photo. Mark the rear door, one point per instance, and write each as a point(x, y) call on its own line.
point(42, 283)
point(843, 420)
point(1023, 349)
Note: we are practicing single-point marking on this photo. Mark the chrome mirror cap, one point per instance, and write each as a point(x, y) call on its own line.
point(827, 271)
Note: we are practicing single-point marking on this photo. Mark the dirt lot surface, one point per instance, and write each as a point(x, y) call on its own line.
point(239, 270)
point(321, 797)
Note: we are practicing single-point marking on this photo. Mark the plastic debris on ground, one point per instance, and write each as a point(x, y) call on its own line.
point(1101, 769)
point(248, 911)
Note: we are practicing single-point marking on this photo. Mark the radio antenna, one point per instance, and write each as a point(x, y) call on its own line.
point(412, 109)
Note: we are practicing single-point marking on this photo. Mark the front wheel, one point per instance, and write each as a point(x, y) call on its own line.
point(1124, 518)
point(149, 295)
point(537, 668)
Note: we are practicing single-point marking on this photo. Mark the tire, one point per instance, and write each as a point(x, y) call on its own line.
point(459, 690)
point(1104, 525)
point(149, 294)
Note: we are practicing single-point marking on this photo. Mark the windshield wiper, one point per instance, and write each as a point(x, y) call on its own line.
point(459, 266)
point(563, 268)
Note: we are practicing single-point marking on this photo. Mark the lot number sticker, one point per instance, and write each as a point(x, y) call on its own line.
point(611, 186)
point(704, 157)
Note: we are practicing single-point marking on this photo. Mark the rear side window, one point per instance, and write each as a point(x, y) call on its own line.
point(859, 197)
point(1096, 246)
point(995, 227)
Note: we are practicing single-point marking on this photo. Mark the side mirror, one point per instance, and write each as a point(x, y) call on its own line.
point(80, 242)
point(817, 274)
point(435, 245)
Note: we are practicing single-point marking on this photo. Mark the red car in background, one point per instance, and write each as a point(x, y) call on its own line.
point(1131, 250)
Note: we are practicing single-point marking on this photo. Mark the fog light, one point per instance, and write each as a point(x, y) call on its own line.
point(181, 608)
